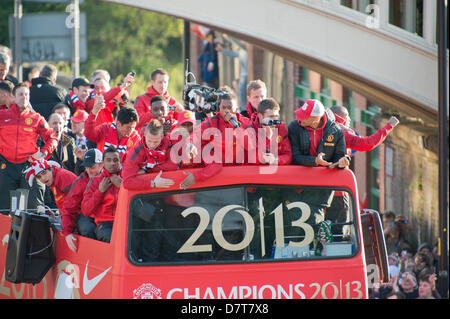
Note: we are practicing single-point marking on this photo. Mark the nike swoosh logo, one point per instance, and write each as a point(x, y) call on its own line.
point(5, 239)
point(89, 284)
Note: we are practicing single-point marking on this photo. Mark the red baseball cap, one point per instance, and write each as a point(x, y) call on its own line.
point(79, 116)
point(311, 108)
point(186, 116)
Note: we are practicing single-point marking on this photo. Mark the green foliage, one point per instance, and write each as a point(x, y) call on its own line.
point(120, 39)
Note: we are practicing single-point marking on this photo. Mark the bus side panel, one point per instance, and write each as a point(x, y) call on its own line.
point(333, 279)
point(84, 274)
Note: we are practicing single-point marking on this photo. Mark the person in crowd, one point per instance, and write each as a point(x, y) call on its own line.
point(267, 116)
point(100, 198)
point(120, 133)
point(63, 110)
point(64, 153)
point(79, 95)
point(408, 285)
point(44, 93)
point(427, 249)
point(100, 74)
point(82, 144)
point(110, 97)
point(78, 119)
point(5, 63)
point(159, 110)
point(423, 264)
point(352, 139)
point(20, 127)
point(317, 141)
point(388, 222)
point(405, 260)
point(73, 218)
point(256, 92)
point(6, 96)
point(32, 74)
point(208, 61)
point(315, 138)
point(407, 229)
point(425, 287)
point(339, 210)
point(159, 84)
point(226, 134)
point(57, 179)
point(242, 56)
point(150, 155)
point(396, 242)
point(185, 154)
point(393, 265)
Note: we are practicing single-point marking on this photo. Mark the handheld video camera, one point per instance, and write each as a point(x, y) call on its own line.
point(198, 97)
point(272, 122)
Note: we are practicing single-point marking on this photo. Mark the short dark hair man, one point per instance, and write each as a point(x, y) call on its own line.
point(159, 84)
point(20, 127)
point(100, 197)
point(6, 96)
point(72, 215)
point(120, 133)
point(44, 93)
point(268, 113)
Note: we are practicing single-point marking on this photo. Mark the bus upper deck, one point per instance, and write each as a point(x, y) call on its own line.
point(239, 234)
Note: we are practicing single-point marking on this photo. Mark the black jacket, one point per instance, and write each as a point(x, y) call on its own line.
point(44, 95)
point(332, 143)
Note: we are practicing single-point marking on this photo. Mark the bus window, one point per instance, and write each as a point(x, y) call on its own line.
point(241, 224)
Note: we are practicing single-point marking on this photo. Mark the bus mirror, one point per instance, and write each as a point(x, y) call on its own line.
point(374, 243)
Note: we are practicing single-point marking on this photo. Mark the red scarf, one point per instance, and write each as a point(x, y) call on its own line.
point(112, 138)
point(105, 173)
point(156, 156)
point(76, 103)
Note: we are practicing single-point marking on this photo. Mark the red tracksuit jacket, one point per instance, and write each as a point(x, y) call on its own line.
point(137, 159)
point(101, 206)
point(217, 122)
point(62, 183)
point(105, 115)
point(19, 132)
point(363, 143)
point(106, 134)
point(282, 140)
point(72, 204)
point(142, 103)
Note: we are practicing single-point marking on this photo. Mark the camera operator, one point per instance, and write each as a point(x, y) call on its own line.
point(159, 110)
point(227, 119)
point(268, 118)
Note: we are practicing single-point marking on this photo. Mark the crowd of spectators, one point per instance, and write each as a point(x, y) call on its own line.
point(413, 267)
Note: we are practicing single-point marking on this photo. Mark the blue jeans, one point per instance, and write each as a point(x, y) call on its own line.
point(103, 231)
point(86, 226)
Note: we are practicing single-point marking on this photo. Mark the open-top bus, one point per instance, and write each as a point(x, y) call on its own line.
point(240, 234)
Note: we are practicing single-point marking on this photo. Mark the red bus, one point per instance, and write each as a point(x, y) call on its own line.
point(240, 234)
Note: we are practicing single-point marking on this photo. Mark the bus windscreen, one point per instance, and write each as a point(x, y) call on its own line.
point(242, 224)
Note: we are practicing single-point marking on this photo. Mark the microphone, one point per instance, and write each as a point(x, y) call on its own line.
point(234, 123)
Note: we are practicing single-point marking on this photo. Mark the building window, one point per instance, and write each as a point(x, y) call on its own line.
point(359, 5)
point(407, 14)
